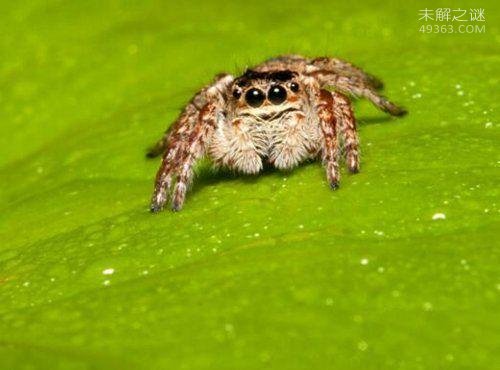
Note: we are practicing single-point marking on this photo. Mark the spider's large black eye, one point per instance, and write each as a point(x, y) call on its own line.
point(276, 94)
point(294, 86)
point(254, 97)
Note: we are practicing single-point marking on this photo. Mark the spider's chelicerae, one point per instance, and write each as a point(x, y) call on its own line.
point(278, 112)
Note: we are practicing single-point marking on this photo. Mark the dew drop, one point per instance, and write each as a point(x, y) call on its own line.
point(427, 306)
point(439, 216)
point(362, 345)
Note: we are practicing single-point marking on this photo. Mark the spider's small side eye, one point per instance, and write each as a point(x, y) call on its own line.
point(254, 97)
point(294, 86)
point(237, 94)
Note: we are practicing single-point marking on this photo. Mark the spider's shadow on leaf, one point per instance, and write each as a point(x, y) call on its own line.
point(372, 120)
point(207, 175)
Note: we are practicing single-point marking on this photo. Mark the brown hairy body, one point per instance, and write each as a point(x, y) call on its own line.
point(278, 112)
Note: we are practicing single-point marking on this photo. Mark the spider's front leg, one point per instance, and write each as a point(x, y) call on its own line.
point(347, 123)
point(179, 159)
point(328, 126)
point(185, 141)
point(190, 113)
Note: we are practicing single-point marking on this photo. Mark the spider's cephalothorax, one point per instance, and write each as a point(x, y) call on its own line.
point(278, 112)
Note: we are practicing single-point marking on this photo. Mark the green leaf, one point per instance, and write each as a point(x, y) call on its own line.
point(271, 271)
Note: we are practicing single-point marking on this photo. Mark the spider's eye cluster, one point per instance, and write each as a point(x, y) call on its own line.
point(254, 97)
point(276, 94)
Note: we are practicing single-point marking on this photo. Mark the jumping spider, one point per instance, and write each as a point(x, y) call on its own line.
point(278, 112)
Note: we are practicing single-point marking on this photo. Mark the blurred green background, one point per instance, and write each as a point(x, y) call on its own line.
point(267, 272)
